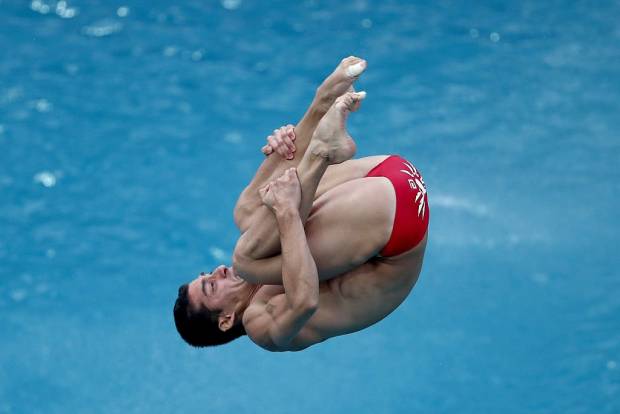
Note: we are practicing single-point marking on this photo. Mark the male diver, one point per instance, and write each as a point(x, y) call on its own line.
point(329, 245)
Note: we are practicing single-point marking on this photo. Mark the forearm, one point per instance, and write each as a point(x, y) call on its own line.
point(274, 164)
point(248, 202)
point(262, 239)
point(299, 272)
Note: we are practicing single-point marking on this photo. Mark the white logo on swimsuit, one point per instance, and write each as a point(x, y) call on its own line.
point(416, 183)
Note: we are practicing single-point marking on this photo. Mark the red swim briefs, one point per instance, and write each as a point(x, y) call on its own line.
point(412, 213)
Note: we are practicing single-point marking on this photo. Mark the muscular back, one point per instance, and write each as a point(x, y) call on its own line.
point(352, 301)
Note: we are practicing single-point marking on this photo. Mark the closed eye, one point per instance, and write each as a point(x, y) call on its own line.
point(202, 285)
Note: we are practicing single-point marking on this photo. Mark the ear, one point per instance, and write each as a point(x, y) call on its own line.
point(226, 321)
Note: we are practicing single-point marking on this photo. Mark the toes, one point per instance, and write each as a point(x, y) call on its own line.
point(350, 60)
point(356, 69)
point(343, 100)
point(357, 97)
point(350, 100)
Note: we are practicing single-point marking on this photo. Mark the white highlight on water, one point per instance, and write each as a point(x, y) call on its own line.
point(43, 105)
point(18, 295)
point(122, 11)
point(218, 254)
point(72, 69)
point(456, 203)
point(170, 51)
point(102, 28)
point(197, 55)
point(45, 178)
point(39, 6)
point(233, 137)
point(62, 8)
point(64, 11)
point(231, 4)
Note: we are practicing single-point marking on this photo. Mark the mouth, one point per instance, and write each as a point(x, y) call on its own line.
point(231, 273)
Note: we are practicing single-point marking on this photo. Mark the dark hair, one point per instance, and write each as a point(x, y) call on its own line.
point(200, 327)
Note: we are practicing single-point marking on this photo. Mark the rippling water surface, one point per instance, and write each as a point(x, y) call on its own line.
point(127, 130)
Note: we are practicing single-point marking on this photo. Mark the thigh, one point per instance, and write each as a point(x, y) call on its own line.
point(335, 175)
point(348, 225)
point(347, 171)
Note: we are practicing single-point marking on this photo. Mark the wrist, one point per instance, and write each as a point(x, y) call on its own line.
point(286, 211)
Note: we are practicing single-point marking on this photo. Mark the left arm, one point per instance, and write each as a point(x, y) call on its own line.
point(281, 142)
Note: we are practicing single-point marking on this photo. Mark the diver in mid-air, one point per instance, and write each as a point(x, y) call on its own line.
point(329, 245)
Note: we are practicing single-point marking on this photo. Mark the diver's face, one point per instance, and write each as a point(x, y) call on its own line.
point(217, 290)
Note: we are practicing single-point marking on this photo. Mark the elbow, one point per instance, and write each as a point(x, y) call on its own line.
point(306, 306)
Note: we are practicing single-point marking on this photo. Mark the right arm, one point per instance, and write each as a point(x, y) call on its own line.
point(273, 325)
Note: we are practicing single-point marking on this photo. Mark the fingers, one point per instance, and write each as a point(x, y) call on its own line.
point(284, 136)
point(291, 172)
point(267, 149)
point(281, 141)
point(278, 145)
point(290, 176)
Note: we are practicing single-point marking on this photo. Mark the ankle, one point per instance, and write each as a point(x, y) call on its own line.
point(319, 150)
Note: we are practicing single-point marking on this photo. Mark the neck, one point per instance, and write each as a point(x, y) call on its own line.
point(251, 292)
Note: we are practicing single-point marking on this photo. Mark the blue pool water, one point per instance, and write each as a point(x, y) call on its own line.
point(128, 129)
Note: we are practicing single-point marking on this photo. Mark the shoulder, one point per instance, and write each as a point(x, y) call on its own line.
point(256, 321)
point(261, 314)
point(276, 327)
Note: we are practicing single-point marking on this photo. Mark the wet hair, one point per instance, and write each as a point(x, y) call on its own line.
point(200, 327)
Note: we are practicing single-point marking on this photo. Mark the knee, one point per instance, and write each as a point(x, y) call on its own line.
point(241, 216)
point(242, 265)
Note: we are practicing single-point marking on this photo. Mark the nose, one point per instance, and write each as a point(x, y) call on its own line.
point(221, 271)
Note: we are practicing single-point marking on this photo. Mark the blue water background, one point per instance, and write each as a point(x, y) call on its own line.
point(128, 129)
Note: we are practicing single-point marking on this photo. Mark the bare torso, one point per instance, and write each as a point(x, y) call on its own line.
point(361, 292)
point(357, 299)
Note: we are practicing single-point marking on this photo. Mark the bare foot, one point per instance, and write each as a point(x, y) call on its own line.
point(356, 104)
point(341, 80)
point(331, 139)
